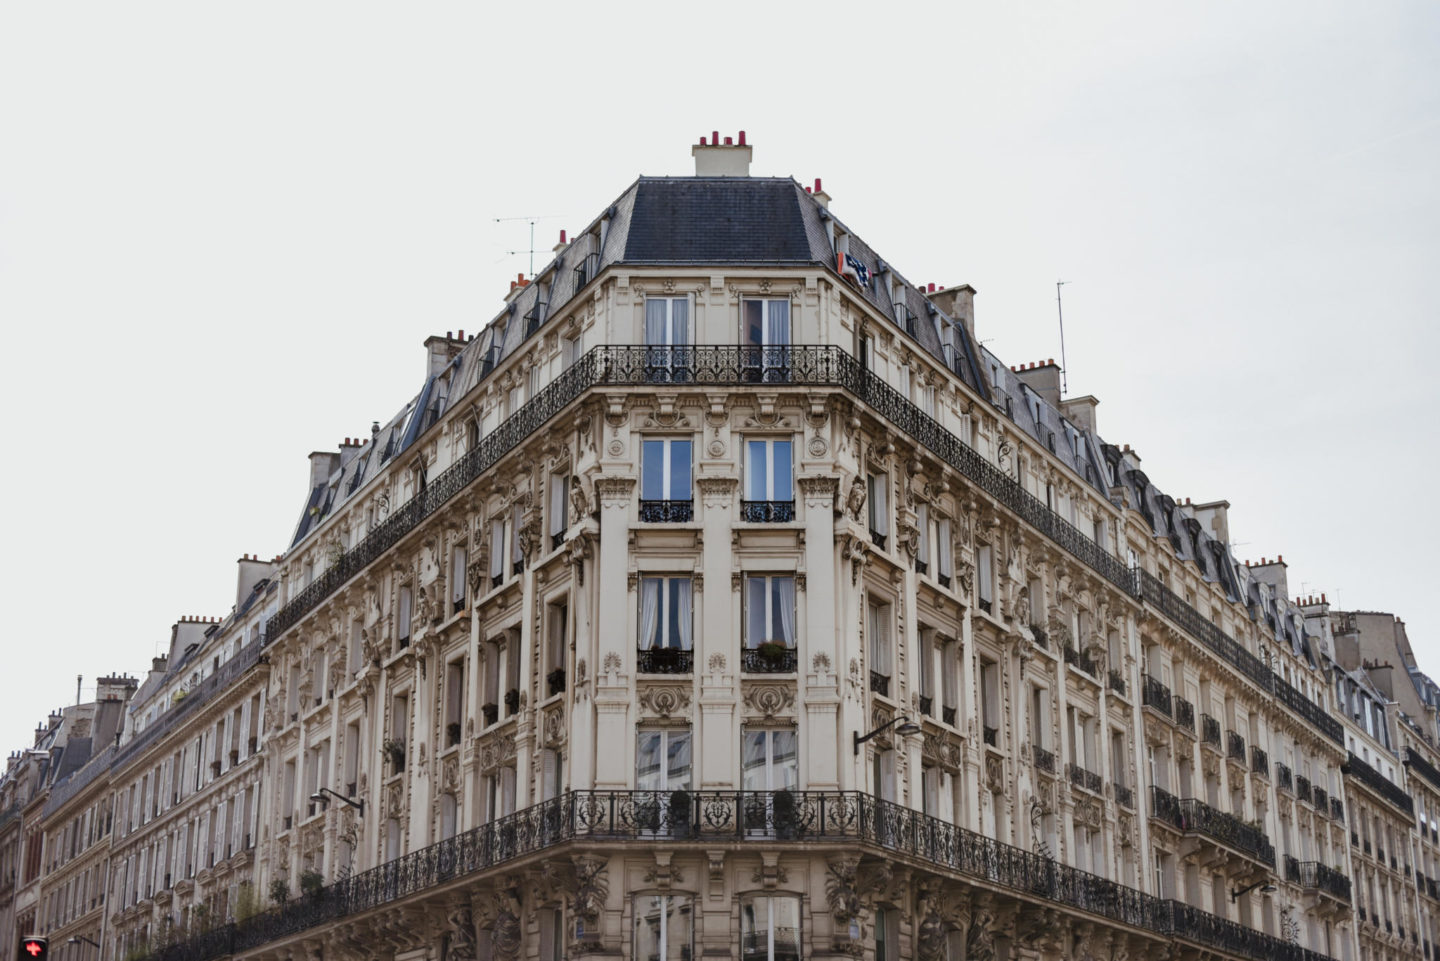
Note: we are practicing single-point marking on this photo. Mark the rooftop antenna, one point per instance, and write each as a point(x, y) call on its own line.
point(78, 679)
point(531, 251)
point(1060, 310)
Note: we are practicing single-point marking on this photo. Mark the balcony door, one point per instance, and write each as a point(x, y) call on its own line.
point(765, 340)
point(770, 762)
point(667, 339)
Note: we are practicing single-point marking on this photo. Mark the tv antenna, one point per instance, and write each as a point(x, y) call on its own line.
point(1060, 311)
point(531, 251)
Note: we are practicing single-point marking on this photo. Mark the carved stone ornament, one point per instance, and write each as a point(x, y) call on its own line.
point(820, 663)
point(716, 663)
point(770, 700)
point(505, 933)
point(450, 775)
point(553, 727)
point(994, 775)
point(461, 920)
point(664, 701)
point(930, 936)
point(855, 499)
point(395, 800)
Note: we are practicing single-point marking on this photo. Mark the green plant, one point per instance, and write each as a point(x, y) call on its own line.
point(772, 650)
point(247, 903)
point(279, 890)
point(312, 884)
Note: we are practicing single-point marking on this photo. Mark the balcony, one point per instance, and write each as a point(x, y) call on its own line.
point(768, 659)
point(1185, 715)
point(877, 538)
point(1283, 779)
point(1117, 682)
point(927, 705)
point(664, 660)
point(490, 712)
point(1259, 762)
point(1321, 799)
point(1044, 760)
point(880, 683)
point(1314, 876)
point(667, 512)
point(1079, 661)
point(1124, 796)
point(1081, 778)
point(991, 735)
point(1235, 747)
point(1194, 817)
point(1156, 696)
point(767, 512)
point(1337, 809)
point(850, 819)
point(1379, 785)
point(947, 714)
point(1209, 731)
point(512, 701)
point(555, 681)
point(1302, 788)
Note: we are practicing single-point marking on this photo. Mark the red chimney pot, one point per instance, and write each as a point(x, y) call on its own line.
point(742, 138)
point(714, 138)
point(562, 235)
point(729, 142)
point(817, 185)
point(702, 142)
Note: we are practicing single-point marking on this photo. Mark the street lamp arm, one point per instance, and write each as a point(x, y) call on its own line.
point(906, 727)
point(320, 793)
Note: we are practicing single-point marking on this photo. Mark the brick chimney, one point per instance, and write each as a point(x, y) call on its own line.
point(714, 159)
point(1043, 377)
point(958, 303)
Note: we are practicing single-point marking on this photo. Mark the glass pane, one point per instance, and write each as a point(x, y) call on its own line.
point(752, 764)
point(679, 470)
point(781, 491)
point(672, 612)
point(652, 471)
point(777, 329)
point(752, 322)
point(755, 470)
point(678, 764)
point(755, 611)
point(679, 321)
point(678, 923)
point(647, 762)
point(777, 609)
point(655, 325)
point(784, 761)
point(649, 916)
point(785, 921)
point(754, 920)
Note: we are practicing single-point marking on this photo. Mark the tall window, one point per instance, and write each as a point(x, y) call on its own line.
point(878, 503)
point(887, 934)
point(985, 577)
point(458, 561)
point(944, 552)
point(559, 508)
point(881, 645)
point(922, 555)
point(882, 774)
point(454, 701)
point(662, 760)
point(665, 487)
point(500, 537)
point(557, 617)
point(769, 490)
point(769, 928)
point(402, 616)
point(552, 934)
point(552, 768)
point(664, 929)
point(770, 610)
point(765, 338)
point(667, 334)
point(665, 613)
point(770, 761)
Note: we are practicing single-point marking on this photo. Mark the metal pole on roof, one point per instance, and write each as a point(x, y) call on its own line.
point(1060, 310)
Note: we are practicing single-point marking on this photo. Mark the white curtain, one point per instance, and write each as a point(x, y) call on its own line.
point(785, 598)
point(777, 323)
point(680, 322)
point(655, 317)
point(649, 611)
point(683, 613)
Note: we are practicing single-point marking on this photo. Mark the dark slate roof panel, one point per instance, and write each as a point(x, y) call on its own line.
point(703, 220)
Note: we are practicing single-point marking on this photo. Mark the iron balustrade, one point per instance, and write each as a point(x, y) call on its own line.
point(1322, 799)
point(1210, 731)
point(1155, 695)
point(1081, 778)
point(991, 735)
point(555, 681)
point(1317, 877)
point(1044, 760)
point(1415, 762)
point(1337, 809)
point(877, 538)
point(1117, 682)
point(1124, 796)
point(490, 712)
point(1259, 761)
point(1235, 746)
point(710, 817)
point(947, 714)
point(880, 683)
point(927, 705)
point(767, 512)
point(664, 660)
point(1292, 868)
point(1080, 661)
point(759, 660)
point(1193, 816)
point(667, 512)
point(1283, 778)
point(1302, 788)
point(512, 701)
point(1185, 714)
point(1379, 784)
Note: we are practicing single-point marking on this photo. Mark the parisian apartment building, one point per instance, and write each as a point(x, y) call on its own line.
point(723, 596)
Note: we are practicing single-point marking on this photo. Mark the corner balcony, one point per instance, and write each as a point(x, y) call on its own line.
point(430, 877)
point(1316, 878)
point(1219, 839)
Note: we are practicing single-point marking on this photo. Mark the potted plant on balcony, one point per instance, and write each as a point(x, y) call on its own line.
point(772, 652)
point(786, 815)
point(452, 733)
point(680, 813)
point(312, 884)
point(279, 891)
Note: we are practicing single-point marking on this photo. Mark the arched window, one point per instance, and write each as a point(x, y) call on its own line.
point(770, 928)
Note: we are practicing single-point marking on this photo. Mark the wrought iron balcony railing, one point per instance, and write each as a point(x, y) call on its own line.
point(1079, 661)
point(664, 660)
point(1117, 682)
point(1337, 809)
point(1081, 778)
point(880, 683)
point(947, 714)
point(555, 681)
point(991, 735)
point(1315, 876)
point(1259, 761)
point(927, 705)
point(1322, 799)
point(1302, 788)
point(1193, 816)
point(767, 512)
point(1044, 760)
point(1235, 745)
point(1417, 763)
point(765, 660)
point(1283, 778)
point(1210, 731)
point(710, 817)
point(1155, 695)
point(667, 512)
point(1185, 714)
point(1124, 796)
point(1378, 783)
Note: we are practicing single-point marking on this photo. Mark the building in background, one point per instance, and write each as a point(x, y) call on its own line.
point(725, 591)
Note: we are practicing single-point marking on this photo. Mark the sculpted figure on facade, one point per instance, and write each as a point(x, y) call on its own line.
point(855, 498)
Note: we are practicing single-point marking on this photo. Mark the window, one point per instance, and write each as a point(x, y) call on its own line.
point(922, 554)
point(769, 490)
point(559, 508)
point(662, 761)
point(458, 560)
point(770, 610)
point(944, 552)
point(930, 790)
point(402, 616)
point(985, 577)
point(877, 629)
point(356, 645)
point(499, 541)
point(887, 934)
point(764, 338)
point(557, 617)
point(769, 928)
point(667, 334)
point(770, 761)
point(454, 701)
point(552, 934)
point(879, 508)
point(447, 815)
point(666, 620)
point(865, 350)
point(925, 671)
point(665, 488)
point(883, 776)
point(663, 927)
point(500, 793)
point(552, 770)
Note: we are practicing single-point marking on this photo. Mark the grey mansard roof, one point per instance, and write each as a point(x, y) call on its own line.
point(744, 221)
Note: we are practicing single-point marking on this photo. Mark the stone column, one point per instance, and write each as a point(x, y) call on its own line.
point(717, 651)
point(616, 647)
point(819, 647)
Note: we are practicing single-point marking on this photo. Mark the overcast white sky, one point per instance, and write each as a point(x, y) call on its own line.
point(225, 231)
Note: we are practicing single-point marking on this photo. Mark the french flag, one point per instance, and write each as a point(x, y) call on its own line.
point(850, 267)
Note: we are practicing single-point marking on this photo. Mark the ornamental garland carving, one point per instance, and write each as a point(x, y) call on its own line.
point(553, 727)
point(664, 701)
point(771, 700)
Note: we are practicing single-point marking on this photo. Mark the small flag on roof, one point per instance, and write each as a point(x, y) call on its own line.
point(850, 267)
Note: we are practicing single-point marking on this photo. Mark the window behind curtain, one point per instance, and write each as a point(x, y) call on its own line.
point(663, 760)
point(666, 613)
point(878, 628)
point(770, 610)
point(768, 471)
point(665, 470)
point(770, 761)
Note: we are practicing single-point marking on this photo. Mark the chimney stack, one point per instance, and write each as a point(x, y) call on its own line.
point(713, 159)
